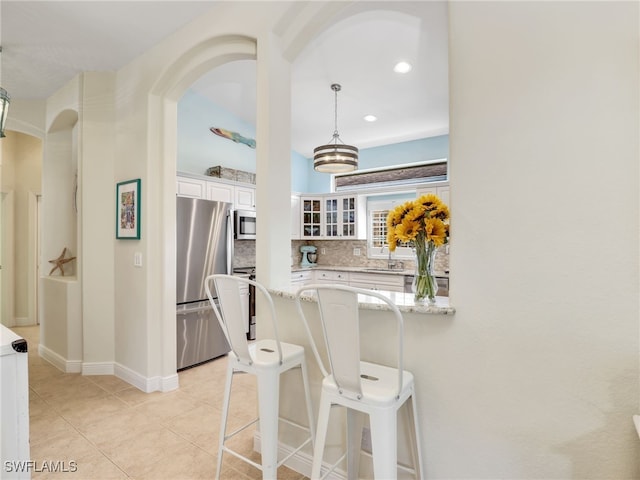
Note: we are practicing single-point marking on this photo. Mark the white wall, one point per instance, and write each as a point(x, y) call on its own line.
point(97, 211)
point(22, 176)
point(543, 349)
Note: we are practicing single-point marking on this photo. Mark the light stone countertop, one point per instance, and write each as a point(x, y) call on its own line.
point(363, 269)
point(404, 301)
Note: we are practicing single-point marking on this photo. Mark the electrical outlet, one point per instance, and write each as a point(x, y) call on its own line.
point(323, 251)
point(356, 252)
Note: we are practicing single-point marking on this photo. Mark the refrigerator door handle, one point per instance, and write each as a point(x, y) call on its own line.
point(229, 241)
point(202, 308)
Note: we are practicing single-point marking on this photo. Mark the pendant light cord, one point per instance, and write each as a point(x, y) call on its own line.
point(336, 136)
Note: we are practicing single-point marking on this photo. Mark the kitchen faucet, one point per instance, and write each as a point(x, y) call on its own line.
point(393, 264)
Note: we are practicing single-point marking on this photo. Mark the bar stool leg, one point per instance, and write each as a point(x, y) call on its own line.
point(355, 422)
point(384, 440)
point(224, 417)
point(307, 396)
point(415, 437)
point(268, 406)
point(321, 435)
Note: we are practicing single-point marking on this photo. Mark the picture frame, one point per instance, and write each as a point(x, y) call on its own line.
point(128, 210)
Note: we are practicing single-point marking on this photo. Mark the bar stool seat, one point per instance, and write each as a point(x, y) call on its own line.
point(382, 391)
point(267, 359)
point(361, 386)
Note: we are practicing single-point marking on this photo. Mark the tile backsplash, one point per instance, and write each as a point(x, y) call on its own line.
point(244, 253)
point(340, 253)
point(337, 253)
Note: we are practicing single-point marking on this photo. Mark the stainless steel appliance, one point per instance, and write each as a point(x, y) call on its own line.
point(204, 246)
point(245, 224)
point(251, 275)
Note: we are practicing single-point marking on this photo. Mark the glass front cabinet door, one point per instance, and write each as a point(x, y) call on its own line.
point(311, 217)
point(340, 217)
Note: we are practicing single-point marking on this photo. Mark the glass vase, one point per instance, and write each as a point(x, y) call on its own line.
point(425, 285)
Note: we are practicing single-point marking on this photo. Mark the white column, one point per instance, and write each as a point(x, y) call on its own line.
point(273, 169)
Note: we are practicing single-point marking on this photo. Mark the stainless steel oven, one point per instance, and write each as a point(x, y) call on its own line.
point(250, 272)
point(245, 224)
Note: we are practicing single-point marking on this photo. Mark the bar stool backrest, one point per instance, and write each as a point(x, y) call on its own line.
point(340, 320)
point(231, 317)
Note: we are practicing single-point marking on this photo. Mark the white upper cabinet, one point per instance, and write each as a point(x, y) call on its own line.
point(191, 187)
point(295, 217)
point(242, 197)
point(442, 191)
point(332, 217)
point(245, 198)
point(311, 213)
point(220, 192)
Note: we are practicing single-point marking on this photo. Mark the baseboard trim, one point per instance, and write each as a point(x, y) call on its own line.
point(300, 462)
point(58, 361)
point(97, 368)
point(146, 384)
point(24, 322)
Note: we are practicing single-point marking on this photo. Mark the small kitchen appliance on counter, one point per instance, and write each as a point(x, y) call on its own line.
point(309, 256)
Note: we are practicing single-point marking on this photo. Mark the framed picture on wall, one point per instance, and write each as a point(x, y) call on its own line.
point(128, 210)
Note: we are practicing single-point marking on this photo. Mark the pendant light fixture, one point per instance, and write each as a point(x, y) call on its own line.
point(4, 107)
point(335, 157)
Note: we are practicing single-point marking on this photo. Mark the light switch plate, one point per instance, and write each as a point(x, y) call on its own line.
point(137, 259)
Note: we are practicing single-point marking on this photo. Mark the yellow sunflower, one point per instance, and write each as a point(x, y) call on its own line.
point(429, 202)
point(407, 230)
point(416, 213)
point(442, 212)
point(435, 231)
point(392, 241)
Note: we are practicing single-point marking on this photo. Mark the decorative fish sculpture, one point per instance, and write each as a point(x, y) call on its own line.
point(236, 137)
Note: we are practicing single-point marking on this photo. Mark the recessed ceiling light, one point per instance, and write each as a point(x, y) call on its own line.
point(402, 67)
point(370, 118)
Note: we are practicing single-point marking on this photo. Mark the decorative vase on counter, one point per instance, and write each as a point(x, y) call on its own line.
point(422, 223)
point(425, 285)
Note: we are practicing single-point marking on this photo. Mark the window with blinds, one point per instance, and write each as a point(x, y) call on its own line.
point(379, 228)
point(377, 212)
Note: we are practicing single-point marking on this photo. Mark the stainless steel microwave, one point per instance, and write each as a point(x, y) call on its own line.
point(245, 224)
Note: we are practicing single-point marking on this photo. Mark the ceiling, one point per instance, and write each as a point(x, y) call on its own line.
point(47, 43)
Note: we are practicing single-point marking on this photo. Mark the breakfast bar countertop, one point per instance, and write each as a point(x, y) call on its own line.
point(404, 301)
point(364, 269)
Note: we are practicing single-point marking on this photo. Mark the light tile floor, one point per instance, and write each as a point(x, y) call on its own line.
point(112, 430)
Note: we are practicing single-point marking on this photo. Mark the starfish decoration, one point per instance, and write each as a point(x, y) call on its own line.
point(60, 261)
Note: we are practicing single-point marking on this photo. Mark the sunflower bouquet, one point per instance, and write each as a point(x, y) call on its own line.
point(424, 224)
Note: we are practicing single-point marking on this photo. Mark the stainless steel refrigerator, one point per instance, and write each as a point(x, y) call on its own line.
point(204, 246)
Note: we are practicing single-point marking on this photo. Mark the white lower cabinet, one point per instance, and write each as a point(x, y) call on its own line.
point(331, 276)
point(300, 278)
point(372, 281)
point(375, 281)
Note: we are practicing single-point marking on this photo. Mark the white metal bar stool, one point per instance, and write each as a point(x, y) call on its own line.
point(266, 359)
point(376, 390)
